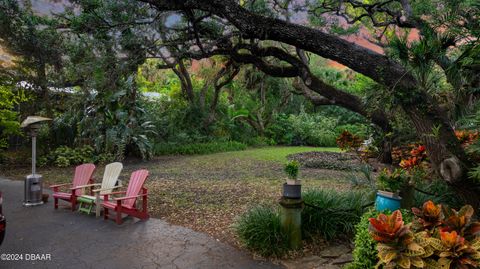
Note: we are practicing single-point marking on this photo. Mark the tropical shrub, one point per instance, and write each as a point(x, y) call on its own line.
point(113, 121)
point(467, 137)
point(408, 152)
point(418, 155)
point(439, 237)
point(64, 156)
point(9, 123)
point(365, 251)
point(259, 229)
point(348, 141)
point(304, 129)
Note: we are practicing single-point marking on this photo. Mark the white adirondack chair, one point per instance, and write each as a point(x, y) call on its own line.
point(110, 178)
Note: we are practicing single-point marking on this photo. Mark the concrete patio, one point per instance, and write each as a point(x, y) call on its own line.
point(76, 240)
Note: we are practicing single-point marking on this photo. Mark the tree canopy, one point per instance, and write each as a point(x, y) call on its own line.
point(422, 57)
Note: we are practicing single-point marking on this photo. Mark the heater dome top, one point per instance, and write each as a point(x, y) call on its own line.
point(33, 119)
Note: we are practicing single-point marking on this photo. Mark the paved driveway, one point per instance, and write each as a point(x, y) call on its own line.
point(74, 240)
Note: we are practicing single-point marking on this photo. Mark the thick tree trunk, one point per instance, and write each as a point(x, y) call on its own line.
point(446, 155)
point(385, 155)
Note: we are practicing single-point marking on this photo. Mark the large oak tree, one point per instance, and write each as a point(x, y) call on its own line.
point(264, 33)
point(257, 37)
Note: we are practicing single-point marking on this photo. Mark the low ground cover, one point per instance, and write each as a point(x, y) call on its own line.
point(208, 192)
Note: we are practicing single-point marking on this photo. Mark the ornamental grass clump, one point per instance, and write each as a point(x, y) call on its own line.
point(439, 237)
point(330, 213)
point(259, 229)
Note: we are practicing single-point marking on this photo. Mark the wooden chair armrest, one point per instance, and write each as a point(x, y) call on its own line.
point(130, 197)
point(85, 186)
point(105, 196)
point(106, 189)
point(116, 192)
point(60, 185)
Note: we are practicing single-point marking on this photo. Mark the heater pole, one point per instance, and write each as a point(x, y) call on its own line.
point(34, 153)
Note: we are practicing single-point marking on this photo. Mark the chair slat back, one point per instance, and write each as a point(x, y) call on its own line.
point(110, 176)
point(137, 179)
point(83, 173)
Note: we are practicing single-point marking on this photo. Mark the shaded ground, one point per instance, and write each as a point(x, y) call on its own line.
point(74, 240)
point(207, 192)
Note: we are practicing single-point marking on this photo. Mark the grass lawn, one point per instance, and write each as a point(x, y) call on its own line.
point(207, 192)
point(277, 154)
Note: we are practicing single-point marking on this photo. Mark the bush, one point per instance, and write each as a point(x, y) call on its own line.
point(62, 161)
point(259, 229)
point(359, 130)
point(9, 125)
point(197, 148)
point(64, 156)
point(334, 213)
point(365, 252)
point(304, 129)
point(311, 129)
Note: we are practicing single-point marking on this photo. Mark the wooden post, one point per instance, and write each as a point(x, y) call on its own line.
point(291, 219)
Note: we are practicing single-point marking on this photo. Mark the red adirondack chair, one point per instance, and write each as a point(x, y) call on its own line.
point(127, 204)
point(83, 176)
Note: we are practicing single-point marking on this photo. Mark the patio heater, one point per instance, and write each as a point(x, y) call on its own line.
point(33, 183)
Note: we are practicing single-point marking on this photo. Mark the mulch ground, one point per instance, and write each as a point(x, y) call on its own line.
point(205, 193)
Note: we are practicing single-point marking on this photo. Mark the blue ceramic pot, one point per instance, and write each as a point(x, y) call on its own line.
point(387, 200)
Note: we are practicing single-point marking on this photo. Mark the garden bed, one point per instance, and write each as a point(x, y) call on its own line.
point(328, 160)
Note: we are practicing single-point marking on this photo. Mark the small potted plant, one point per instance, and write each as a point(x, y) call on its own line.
point(293, 187)
point(389, 185)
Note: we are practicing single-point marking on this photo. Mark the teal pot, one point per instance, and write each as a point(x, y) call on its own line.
point(387, 200)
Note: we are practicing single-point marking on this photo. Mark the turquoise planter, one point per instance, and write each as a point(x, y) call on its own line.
point(387, 200)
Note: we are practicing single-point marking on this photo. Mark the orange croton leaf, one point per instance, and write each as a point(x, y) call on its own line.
point(386, 228)
point(449, 239)
point(458, 220)
point(431, 210)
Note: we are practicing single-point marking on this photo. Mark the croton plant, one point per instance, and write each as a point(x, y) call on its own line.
point(439, 237)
